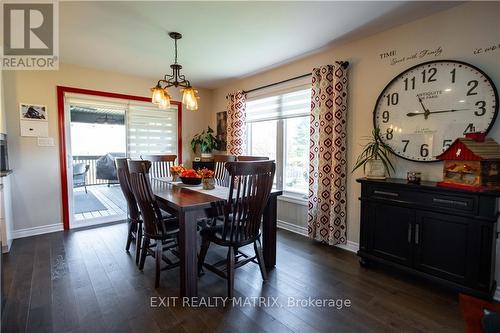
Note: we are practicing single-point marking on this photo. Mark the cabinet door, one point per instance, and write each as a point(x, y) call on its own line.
point(390, 232)
point(441, 245)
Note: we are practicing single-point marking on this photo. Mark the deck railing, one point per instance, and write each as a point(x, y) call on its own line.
point(90, 160)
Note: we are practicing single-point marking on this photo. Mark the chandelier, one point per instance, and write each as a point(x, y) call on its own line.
point(160, 94)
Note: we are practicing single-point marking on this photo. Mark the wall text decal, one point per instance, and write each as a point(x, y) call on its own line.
point(391, 53)
point(424, 53)
point(487, 49)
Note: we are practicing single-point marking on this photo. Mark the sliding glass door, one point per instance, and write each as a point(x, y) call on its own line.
point(99, 131)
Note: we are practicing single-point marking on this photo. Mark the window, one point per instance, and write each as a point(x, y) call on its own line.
point(147, 129)
point(278, 127)
point(151, 131)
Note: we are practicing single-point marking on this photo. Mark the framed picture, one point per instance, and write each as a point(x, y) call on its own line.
point(222, 130)
point(33, 112)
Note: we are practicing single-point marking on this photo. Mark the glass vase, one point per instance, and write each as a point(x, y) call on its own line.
point(208, 183)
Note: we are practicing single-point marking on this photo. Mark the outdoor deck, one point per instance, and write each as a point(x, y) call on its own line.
point(110, 204)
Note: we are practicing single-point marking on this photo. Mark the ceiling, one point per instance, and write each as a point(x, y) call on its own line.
point(221, 40)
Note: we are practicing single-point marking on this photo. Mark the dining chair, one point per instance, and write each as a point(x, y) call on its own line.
point(134, 218)
point(252, 158)
point(80, 171)
point(162, 230)
point(160, 164)
point(249, 191)
point(220, 173)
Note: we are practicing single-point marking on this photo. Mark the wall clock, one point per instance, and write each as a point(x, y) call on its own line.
point(425, 108)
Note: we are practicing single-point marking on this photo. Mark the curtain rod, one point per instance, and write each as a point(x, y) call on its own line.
point(344, 64)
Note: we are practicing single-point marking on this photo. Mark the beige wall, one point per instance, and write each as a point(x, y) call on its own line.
point(36, 181)
point(458, 31)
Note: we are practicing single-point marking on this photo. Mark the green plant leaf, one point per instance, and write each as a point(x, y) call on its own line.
point(375, 148)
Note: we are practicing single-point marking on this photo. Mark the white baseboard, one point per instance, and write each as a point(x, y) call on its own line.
point(496, 295)
point(44, 229)
point(292, 227)
point(350, 246)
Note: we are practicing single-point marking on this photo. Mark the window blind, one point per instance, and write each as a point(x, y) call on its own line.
point(281, 106)
point(151, 131)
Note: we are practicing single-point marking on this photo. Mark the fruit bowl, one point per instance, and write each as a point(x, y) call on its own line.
point(191, 180)
point(190, 177)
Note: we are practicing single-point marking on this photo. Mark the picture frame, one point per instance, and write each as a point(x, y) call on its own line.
point(33, 112)
point(221, 135)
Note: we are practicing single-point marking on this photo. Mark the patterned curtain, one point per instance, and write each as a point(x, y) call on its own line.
point(236, 115)
point(327, 155)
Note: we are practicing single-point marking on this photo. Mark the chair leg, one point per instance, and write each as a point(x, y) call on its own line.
point(158, 257)
point(85, 189)
point(144, 252)
point(260, 260)
point(230, 272)
point(138, 242)
point(129, 235)
point(205, 243)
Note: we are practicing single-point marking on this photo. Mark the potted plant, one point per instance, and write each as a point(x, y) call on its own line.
point(207, 142)
point(375, 157)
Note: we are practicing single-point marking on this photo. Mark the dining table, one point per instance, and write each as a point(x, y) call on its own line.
point(192, 203)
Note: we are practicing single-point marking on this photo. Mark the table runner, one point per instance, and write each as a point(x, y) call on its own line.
point(218, 192)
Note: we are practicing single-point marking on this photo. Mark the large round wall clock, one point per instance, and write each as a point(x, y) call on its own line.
point(425, 108)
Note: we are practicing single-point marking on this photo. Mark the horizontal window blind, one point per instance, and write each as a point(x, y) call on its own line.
point(282, 106)
point(151, 131)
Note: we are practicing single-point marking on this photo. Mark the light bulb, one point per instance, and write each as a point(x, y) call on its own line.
point(165, 101)
point(157, 95)
point(189, 99)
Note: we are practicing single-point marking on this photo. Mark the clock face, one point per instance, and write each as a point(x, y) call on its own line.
point(424, 109)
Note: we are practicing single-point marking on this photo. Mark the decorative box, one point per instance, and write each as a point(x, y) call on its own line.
point(472, 163)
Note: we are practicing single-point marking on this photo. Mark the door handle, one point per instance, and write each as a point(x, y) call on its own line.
point(417, 227)
point(409, 233)
point(391, 194)
point(450, 202)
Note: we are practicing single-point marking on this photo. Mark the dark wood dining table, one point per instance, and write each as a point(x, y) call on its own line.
point(191, 205)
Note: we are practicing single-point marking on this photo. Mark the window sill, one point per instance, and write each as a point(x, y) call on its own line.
point(288, 197)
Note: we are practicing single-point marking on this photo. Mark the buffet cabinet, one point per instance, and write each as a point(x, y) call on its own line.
point(441, 234)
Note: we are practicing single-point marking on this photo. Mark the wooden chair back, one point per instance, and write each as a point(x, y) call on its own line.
point(252, 158)
point(141, 187)
point(221, 173)
point(124, 180)
point(249, 190)
point(160, 164)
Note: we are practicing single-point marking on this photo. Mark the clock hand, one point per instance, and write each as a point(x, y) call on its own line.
point(426, 111)
point(411, 114)
point(451, 110)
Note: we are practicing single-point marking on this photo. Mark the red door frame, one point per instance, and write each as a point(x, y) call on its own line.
point(61, 90)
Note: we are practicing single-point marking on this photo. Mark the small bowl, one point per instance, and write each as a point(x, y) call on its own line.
point(191, 180)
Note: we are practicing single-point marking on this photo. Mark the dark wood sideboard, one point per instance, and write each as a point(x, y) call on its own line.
point(442, 234)
point(198, 165)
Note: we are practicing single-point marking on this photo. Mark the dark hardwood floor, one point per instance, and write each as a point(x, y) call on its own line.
point(84, 281)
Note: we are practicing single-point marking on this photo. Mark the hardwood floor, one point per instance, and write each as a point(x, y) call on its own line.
point(84, 281)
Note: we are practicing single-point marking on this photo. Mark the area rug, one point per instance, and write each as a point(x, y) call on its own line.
point(86, 202)
point(473, 311)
